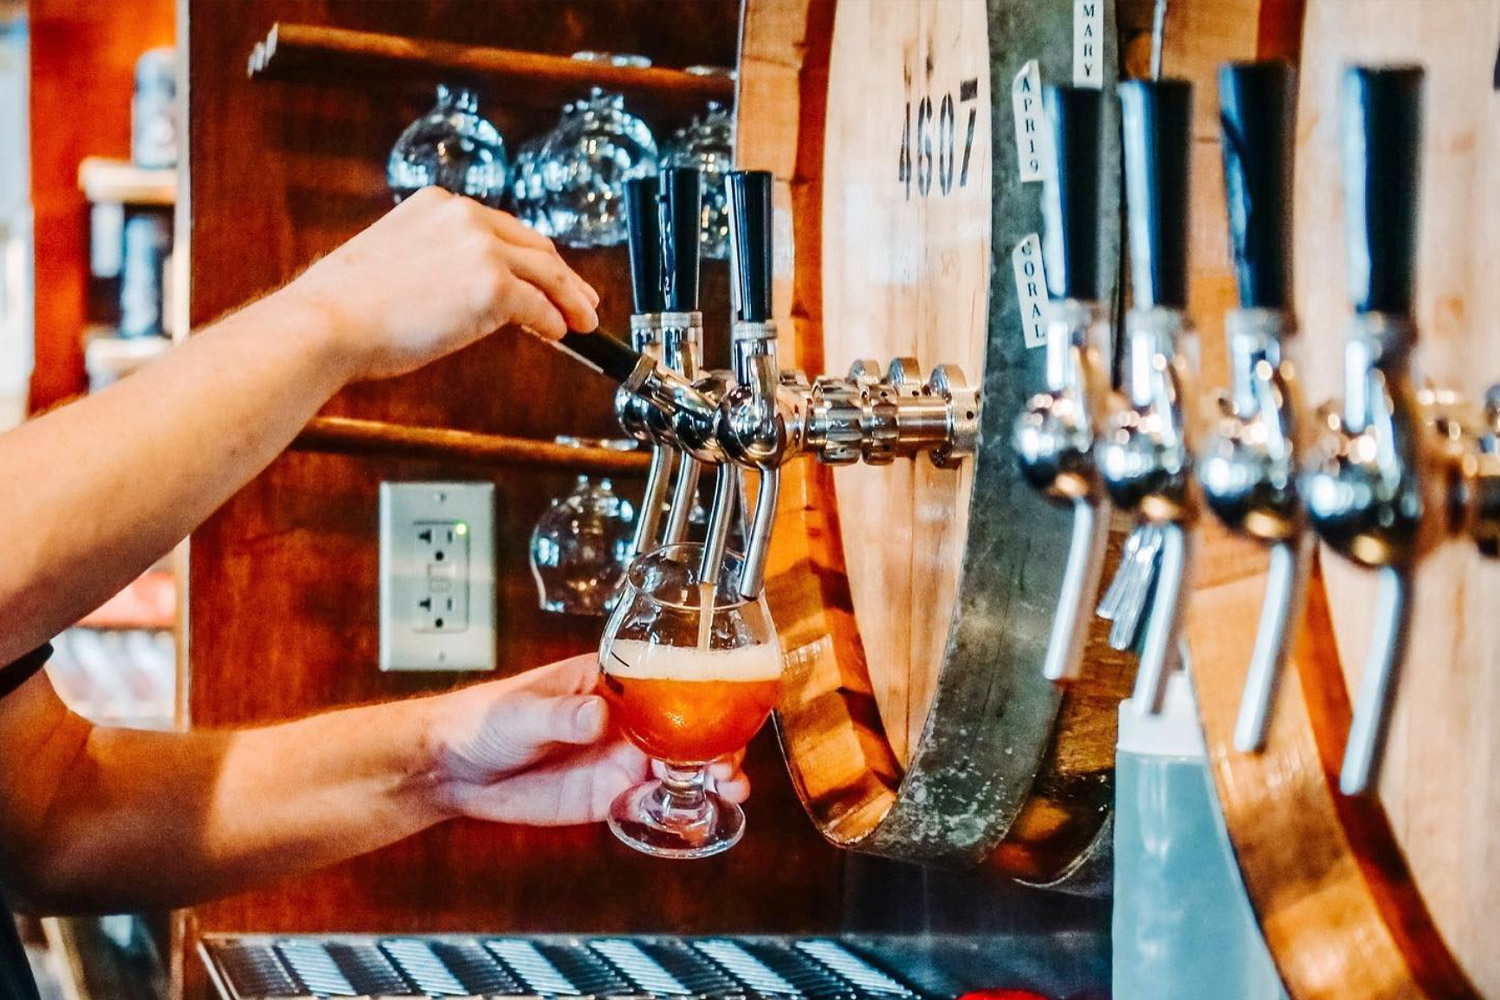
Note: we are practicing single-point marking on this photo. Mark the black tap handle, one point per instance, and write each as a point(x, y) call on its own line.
point(602, 353)
point(1257, 110)
point(1157, 117)
point(1070, 196)
point(1381, 134)
point(681, 225)
point(642, 226)
point(750, 244)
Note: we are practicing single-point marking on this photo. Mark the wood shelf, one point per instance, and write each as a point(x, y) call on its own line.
point(348, 436)
point(120, 182)
point(307, 52)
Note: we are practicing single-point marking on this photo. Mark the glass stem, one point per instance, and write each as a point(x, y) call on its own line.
point(684, 790)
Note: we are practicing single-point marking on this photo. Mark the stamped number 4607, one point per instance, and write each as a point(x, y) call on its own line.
point(917, 143)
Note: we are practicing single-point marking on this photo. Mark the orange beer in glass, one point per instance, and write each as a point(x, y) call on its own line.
point(691, 674)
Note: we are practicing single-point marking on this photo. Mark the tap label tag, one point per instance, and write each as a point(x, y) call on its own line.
point(1033, 145)
point(1031, 289)
point(1088, 43)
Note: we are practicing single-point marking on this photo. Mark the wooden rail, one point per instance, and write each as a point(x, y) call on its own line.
point(308, 52)
point(348, 436)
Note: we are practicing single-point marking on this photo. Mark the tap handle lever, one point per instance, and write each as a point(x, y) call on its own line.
point(750, 225)
point(681, 222)
point(1257, 102)
point(1381, 135)
point(1157, 116)
point(1070, 195)
point(602, 353)
point(642, 228)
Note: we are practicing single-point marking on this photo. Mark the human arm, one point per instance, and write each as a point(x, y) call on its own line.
point(95, 819)
point(98, 490)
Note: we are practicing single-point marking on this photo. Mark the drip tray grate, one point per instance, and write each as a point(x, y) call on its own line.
point(551, 968)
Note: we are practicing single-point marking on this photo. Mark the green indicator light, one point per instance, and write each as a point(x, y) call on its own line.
point(461, 528)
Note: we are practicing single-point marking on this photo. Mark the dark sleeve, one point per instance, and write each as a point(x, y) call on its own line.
point(22, 670)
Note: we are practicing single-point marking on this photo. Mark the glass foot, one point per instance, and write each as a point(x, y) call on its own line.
point(657, 820)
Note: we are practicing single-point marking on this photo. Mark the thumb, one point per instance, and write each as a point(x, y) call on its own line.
point(522, 726)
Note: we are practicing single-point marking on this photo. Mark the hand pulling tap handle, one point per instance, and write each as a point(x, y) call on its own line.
point(1248, 470)
point(1146, 463)
point(753, 419)
point(1381, 131)
point(643, 229)
point(1055, 435)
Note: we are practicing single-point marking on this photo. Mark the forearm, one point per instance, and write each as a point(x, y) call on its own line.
point(115, 480)
point(160, 819)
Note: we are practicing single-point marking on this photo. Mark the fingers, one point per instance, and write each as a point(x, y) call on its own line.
point(575, 675)
point(522, 726)
point(567, 292)
point(517, 234)
point(729, 781)
point(537, 313)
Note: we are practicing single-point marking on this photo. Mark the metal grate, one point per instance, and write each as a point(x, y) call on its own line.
point(545, 968)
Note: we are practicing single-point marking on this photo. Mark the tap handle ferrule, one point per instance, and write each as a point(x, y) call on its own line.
point(681, 227)
point(643, 232)
point(1157, 118)
point(1257, 102)
point(1381, 135)
point(1070, 195)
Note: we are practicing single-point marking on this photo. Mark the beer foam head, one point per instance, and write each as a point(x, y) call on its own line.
point(636, 660)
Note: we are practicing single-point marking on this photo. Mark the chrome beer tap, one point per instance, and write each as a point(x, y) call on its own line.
point(759, 417)
point(681, 322)
point(1144, 454)
point(1247, 467)
point(634, 413)
point(1055, 435)
point(1386, 482)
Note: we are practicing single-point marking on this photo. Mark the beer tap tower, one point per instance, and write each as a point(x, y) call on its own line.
point(1056, 434)
point(1399, 469)
point(1248, 466)
point(760, 416)
point(1145, 452)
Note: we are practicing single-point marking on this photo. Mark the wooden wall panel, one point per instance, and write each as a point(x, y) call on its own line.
point(82, 77)
point(282, 591)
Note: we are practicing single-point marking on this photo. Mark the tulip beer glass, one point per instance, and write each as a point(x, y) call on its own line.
point(691, 673)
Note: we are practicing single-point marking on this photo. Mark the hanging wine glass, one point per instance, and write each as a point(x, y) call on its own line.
point(708, 146)
point(587, 159)
point(581, 543)
point(452, 147)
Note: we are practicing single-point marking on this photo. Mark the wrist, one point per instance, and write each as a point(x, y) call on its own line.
point(321, 329)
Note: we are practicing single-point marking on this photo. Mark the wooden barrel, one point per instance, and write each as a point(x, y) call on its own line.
point(915, 603)
point(1387, 896)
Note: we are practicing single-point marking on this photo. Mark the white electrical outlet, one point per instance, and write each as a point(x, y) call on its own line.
point(437, 576)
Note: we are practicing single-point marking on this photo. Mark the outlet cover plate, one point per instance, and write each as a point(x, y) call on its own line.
point(421, 577)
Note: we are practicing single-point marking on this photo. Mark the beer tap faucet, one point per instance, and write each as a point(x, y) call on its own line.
point(681, 322)
point(634, 413)
point(759, 417)
point(1377, 490)
point(1055, 435)
point(1145, 455)
point(1247, 468)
